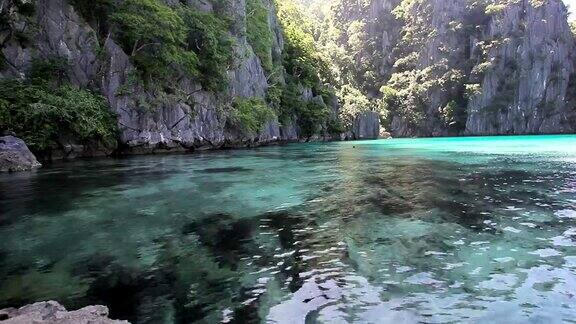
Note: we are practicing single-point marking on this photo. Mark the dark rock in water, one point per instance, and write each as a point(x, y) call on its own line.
point(225, 170)
point(15, 155)
point(224, 235)
point(68, 148)
point(117, 287)
point(52, 312)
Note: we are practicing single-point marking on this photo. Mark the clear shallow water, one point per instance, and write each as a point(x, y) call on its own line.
point(404, 231)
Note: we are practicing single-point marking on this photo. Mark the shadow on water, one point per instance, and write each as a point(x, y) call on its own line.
point(42, 192)
point(225, 170)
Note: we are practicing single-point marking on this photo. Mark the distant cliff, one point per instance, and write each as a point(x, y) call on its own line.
point(458, 67)
point(176, 75)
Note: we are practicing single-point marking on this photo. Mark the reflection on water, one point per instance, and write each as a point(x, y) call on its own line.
point(435, 230)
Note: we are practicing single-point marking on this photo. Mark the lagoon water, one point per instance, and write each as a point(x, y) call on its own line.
point(403, 231)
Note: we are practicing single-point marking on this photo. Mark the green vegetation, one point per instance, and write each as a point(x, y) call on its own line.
point(448, 113)
point(52, 69)
point(353, 103)
point(312, 118)
point(249, 115)
point(402, 11)
point(41, 114)
point(258, 32)
point(302, 59)
point(46, 108)
point(209, 37)
point(165, 42)
point(494, 9)
point(154, 35)
point(305, 68)
point(347, 54)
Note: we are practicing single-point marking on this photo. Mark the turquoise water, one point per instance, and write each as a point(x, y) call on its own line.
point(404, 231)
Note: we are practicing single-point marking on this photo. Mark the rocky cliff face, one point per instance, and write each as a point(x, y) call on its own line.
point(454, 67)
point(149, 120)
point(183, 116)
point(497, 68)
point(194, 123)
point(447, 67)
point(368, 32)
point(430, 65)
point(528, 82)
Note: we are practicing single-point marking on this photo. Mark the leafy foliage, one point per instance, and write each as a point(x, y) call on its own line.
point(302, 59)
point(312, 116)
point(52, 69)
point(155, 36)
point(305, 68)
point(166, 42)
point(353, 102)
point(259, 33)
point(40, 114)
point(250, 114)
point(209, 38)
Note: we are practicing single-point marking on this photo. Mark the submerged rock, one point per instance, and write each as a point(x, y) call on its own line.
point(51, 312)
point(15, 155)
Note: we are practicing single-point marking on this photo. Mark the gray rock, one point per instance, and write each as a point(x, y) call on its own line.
point(15, 155)
point(527, 88)
point(366, 126)
point(51, 312)
point(525, 52)
point(150, 119)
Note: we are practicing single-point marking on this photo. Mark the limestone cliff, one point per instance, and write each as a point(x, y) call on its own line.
point(459, 67)
point(181, 115)
point(428, 67)
point(527, 84)
point(149, 120)
point(485, 69)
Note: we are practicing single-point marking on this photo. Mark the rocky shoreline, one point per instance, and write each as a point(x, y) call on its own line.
point(15, 156)
point(52, 312)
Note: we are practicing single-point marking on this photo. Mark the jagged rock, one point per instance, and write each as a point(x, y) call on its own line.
point(51, 312)
point(530, 82)
point(524, 71)
point(366, 126)
point(385, 135)
point(148, 121)
point(507, 71)
point(15, 155)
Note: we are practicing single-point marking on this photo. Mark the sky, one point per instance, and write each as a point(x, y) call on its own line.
point(572, 8)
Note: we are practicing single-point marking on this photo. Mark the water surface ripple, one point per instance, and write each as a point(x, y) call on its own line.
point(404, 231)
